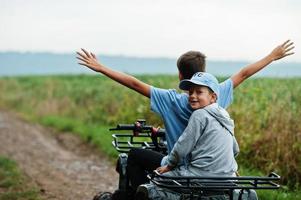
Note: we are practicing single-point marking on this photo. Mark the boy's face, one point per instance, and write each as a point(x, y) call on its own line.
point(200, 96)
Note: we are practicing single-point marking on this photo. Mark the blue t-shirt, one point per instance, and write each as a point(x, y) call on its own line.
point(174, 108)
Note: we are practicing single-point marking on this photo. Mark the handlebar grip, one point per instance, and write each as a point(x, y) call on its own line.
point(125, 126)
point(132, 127)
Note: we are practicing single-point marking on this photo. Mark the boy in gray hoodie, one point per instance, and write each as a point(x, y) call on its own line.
point(207, 146)
point(208, 143)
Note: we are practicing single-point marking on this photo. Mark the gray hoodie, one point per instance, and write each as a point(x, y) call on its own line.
point(209, 143)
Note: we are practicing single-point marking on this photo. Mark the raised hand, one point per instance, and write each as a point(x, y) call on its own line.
point(282, 50)
point(89, 60)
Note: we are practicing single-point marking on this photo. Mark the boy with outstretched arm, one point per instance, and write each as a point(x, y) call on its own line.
point(173, 107)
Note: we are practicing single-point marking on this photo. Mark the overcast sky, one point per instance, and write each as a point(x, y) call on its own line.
point(222, 29)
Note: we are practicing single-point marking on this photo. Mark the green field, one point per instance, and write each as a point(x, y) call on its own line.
point(266, 112)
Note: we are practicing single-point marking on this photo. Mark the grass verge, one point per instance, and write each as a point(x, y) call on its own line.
point(97, 135)
point(13, 184)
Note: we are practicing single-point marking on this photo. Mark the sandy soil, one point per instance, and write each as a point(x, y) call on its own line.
point(60, 165)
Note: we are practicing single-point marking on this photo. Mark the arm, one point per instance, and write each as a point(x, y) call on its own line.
point(89, 60)
point(185, 144)
point(189, 138)
point(279, 52)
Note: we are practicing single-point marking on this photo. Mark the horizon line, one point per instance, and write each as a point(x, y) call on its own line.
point(134, 57)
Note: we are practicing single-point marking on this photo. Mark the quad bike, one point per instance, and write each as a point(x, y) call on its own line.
point(141, 135)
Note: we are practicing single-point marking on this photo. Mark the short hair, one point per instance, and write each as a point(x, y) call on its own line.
point(191, 62)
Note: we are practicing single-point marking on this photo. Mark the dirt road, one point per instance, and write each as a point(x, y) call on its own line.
point(60, 165)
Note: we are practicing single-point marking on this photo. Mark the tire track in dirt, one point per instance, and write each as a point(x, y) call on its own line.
point(60, 165)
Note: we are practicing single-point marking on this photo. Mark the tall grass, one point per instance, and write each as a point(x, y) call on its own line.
point(266, 111)
point(267, 114)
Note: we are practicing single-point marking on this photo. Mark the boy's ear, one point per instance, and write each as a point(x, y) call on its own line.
point(180, 76)
point(214, 98)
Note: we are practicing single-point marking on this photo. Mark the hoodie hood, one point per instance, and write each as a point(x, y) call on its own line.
point(223, 117)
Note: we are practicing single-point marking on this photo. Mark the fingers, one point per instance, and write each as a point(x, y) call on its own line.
point(84, 64)
point(86, 55)
point(80, 54)
point(288, 54)
point(86, 52)
point(160, 170)
point(283, 50)
point(288, 45)
point(287, 41)
point(88, 59)
point(284, 55)
point(287, 50)
point(82, 59)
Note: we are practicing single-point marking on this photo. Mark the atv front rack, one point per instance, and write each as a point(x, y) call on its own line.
point(123, 143)
point(141, 136)
point(198, 186)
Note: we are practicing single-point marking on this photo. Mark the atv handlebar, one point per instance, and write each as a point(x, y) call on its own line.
point(131, 127)
point(140, 127)
point(150, 137)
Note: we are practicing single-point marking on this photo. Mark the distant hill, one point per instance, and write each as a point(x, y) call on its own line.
point(16, 64)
